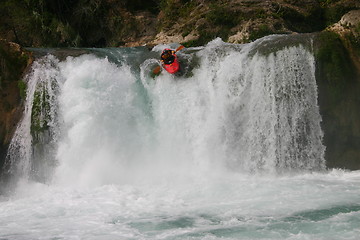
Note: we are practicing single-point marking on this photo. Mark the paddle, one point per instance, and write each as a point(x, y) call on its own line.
point(179, 48)
point(158, 68)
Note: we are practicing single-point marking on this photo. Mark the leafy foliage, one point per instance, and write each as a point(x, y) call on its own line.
point(59, 23)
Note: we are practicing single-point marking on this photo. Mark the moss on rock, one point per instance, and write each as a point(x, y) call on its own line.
point(40, 116)
point(339, 100)
point(13, 62)
point(335, 65)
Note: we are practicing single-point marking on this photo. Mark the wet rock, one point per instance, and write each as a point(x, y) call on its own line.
point(13, 62)
point(338, 76)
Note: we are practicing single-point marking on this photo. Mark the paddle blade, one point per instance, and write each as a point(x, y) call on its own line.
point(179, 48)
point(156, 71)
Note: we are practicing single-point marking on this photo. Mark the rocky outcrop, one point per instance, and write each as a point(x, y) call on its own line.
point(197, 22)
point(338, 76)
point(109, 23)
point(13, 62)
point(348, 29)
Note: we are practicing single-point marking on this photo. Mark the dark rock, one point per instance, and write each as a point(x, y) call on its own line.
point(339, 100)
point(13, 62)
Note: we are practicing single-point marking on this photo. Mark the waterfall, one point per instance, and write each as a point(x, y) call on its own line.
point(30, 153)
point(101, 118)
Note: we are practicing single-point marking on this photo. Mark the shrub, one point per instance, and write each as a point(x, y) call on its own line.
point(221, 16)
point(262, 31)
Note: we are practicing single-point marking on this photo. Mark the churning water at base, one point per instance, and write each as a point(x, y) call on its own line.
point(308, 206)
point(230, 149)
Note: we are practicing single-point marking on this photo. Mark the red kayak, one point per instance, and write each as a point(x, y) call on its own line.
point(173, 67)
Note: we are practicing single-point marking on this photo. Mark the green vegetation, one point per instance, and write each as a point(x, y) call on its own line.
point(334, 14)
point(22, 88)
point(310, 21)
point(221, 16)
point(141, 5)
point(332, 11)
point(219, 20)
point(40, 114)
point(100, 23)
point(325, 3)
point(262, 31)
point(173, 10)
point(71, 23)
point(12, 63)
point(32, 23)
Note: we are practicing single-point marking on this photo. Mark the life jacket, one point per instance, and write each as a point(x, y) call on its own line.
point(168, 56)
point(170, 61)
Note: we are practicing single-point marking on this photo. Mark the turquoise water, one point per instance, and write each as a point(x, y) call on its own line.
point(307, 206)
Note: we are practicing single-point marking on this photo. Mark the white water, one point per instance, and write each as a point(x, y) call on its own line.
point(231, 151)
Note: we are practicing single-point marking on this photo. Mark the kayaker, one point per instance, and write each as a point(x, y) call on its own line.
point(168, 56)
point(169, 61)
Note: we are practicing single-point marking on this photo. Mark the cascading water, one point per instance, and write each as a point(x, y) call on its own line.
point(107, 151)
point(30, 154)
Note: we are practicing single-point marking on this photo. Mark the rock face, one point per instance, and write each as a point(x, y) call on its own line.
point(197, 22)
point(111, 23)
point(13, 61)
point(348, 28)
point(338, 76)
point(351, 19)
